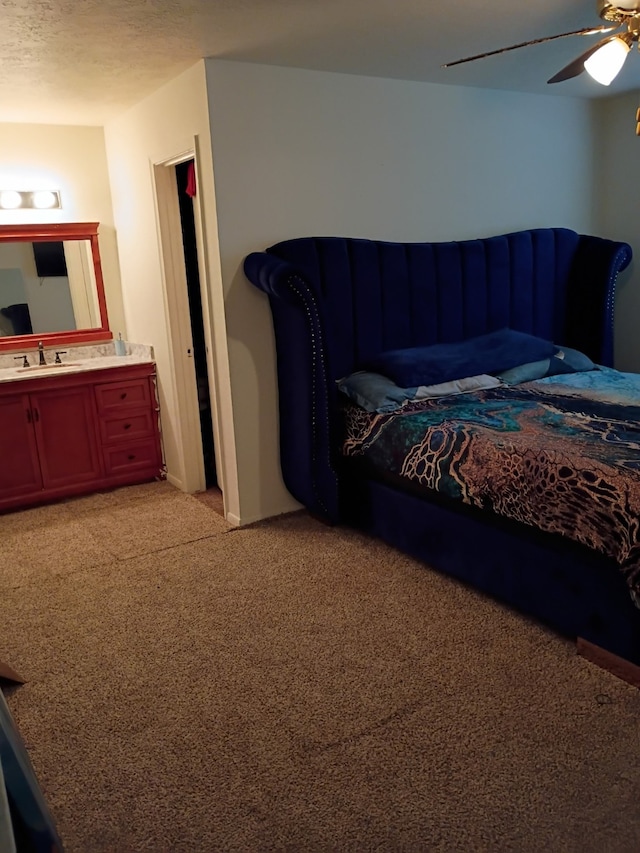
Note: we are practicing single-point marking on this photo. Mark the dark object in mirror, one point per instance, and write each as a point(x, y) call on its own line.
point(52, 273)
point(19, 317)
point(50, 259)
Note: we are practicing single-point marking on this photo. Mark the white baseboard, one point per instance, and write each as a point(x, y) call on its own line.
point(236, 520)
point(176, 481)
point(251, 519)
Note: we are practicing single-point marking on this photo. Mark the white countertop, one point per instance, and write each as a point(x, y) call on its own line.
point(77, 365)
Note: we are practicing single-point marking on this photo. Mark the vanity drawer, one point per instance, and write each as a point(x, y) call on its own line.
point(133, 425)
point(120, 395)
point(136, 455)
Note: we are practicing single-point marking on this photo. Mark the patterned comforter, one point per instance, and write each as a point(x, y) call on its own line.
point(561, 454)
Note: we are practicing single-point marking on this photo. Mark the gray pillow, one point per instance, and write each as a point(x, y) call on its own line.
point(377, 393)
point(566, 360)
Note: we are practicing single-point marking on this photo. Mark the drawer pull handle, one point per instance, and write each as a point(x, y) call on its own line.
point(131, 456)
point(127, 426)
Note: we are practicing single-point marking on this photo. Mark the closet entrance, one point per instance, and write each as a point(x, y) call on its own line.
point(186, 187)
point(196, 465)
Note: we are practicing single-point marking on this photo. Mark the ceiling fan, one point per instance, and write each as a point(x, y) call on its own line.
point(603, 60)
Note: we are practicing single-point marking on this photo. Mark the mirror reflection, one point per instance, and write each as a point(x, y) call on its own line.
point(47, 286)
point(51, 281)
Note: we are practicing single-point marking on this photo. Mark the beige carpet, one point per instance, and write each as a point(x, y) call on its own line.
point(294, 687)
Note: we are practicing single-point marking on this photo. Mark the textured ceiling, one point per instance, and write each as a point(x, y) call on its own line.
point(84, 61)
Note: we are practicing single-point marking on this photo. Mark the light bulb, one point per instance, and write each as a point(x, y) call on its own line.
point(606, 62)
point(10, 200)
point(44, 199)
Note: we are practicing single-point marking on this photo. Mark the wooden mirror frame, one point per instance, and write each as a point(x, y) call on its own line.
point(53, 232)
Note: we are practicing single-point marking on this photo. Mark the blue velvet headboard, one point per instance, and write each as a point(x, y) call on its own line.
point(337, 301)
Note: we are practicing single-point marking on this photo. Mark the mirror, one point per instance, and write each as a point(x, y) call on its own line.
point(51, 286)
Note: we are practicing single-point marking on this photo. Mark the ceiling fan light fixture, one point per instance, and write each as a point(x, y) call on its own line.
point(605, 64)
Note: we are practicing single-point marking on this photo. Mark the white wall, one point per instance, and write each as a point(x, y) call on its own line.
point(163, 127)
point(617, 181)
point(301, 153)
point(73, 160)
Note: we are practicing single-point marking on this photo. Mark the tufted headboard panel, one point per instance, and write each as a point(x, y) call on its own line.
point(338, 301)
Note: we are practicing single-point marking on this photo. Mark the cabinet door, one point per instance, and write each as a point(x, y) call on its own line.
point(19, 466)
point(66, 433)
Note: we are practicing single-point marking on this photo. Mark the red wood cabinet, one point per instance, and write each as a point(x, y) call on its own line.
point(64, 424)
point(76, 433)
point(19, 462)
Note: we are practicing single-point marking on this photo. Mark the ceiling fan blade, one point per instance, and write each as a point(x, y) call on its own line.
point(588, 31)
point(576, 67)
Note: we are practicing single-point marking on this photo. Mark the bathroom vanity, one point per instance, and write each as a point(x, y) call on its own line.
point(74, 416)
point(74, 428)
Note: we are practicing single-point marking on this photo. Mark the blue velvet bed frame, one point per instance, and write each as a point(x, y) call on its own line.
point(338, 301)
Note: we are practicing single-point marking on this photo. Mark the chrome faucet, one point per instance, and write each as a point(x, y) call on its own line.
point(41, 358)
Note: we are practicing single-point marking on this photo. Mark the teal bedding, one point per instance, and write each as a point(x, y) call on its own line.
point(561, 454)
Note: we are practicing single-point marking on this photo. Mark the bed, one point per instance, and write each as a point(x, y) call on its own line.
point(458, 400)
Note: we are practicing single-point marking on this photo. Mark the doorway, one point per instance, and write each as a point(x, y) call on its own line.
point(185, 184)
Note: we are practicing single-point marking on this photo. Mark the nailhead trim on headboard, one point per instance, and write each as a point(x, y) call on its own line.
point(299, 287)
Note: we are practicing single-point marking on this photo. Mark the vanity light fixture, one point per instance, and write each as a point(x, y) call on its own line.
point(29, 199)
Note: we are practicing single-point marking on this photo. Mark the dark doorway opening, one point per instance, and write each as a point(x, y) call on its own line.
point(185, 182)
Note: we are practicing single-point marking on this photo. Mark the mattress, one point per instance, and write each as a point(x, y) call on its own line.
point(560, 454)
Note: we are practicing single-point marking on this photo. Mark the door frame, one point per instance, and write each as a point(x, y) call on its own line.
point(179, 321)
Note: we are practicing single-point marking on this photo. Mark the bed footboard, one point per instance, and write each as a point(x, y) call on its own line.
point(621, 668)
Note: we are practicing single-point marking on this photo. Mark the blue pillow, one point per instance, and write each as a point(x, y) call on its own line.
point(526, 372)
point(577, 361)
point(566, 360)
point(376, 393)
point(490, 353)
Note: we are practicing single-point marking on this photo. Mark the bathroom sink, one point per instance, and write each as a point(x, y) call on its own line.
point(41, 368)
